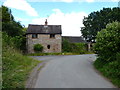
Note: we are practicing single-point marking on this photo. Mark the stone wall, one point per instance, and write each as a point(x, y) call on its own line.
point(44, 40)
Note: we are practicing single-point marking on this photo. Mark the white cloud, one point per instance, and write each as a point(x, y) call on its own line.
point(71, 22)
point(90, 0)
point(114, 0)
point(21, 5)
point(68, 1)
point(21, 19)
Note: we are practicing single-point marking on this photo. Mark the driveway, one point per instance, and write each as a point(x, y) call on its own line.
point(74, 71)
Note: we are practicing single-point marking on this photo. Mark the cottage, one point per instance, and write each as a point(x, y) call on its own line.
point(49, 36)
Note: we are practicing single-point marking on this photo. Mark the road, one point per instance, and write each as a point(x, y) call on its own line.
point(75, 71)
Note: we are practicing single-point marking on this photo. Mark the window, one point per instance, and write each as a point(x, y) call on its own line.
point(34, 35)
point(52, 35)
point(48, 46)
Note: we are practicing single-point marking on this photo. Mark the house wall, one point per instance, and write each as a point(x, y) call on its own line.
point(44, 40)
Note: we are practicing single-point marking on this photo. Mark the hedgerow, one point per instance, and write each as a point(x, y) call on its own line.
point(108, 49)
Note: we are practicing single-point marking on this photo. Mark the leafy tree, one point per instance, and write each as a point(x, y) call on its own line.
point(108, 42)
point(97, 21)
point(6, 14)
point(9, 25)
point(108, 49)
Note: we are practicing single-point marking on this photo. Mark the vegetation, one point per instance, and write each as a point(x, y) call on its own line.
point(38, 47)
point(97, 21)
point(15, 66)
point(108, 48)
point(9, 25)
point(79, 48)
point(44, 54)
point(13, 29)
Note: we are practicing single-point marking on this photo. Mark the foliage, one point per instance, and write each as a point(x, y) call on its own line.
point(15, 66)
point(6, 14)
point(9, 25)
point(80, 48)
point(97, 21)
point(73, 47)
point(109, 69)
point(45, 54)
point(17, 42)
point(13, 29)
point(108, 42)
point(108, 49)
point(66, 46)
point(38, 47)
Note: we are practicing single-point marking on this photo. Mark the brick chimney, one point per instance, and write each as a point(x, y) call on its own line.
point(46, 23)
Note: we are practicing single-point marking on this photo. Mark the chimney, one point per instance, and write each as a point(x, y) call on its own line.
point(46, 23)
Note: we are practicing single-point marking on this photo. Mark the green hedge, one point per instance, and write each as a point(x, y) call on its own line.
point(80, 48)
point(108, 48)
point(38, 48)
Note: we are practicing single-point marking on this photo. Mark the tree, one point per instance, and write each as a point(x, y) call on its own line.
point(108, 42)
point(97, 21)
point(6, 14)
point(13, 29)
point(9, 25)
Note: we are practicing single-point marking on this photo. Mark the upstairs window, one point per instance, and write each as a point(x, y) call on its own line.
point(52, 35)
point(34, 35)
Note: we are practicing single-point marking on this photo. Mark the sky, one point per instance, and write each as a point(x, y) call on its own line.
point(68, 13)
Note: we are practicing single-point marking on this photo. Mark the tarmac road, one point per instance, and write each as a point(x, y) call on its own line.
point(74, 71)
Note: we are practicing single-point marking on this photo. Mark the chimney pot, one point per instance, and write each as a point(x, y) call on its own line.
point(46, 23)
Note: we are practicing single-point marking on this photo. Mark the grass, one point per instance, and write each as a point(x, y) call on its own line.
point(16, 68)
point(64, 53)
point(111, 70)
point(44, 54)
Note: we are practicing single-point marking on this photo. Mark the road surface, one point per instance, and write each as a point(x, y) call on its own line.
point(75, 71)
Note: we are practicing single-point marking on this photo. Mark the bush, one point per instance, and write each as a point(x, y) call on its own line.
point(15, 66)
point(38, 47)
point(81, 48)
point(73, 47)
point(17, 42)
point(108, 48)
point(66, 46)
point(108, 42)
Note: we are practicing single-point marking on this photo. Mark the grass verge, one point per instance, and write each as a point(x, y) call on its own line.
point(110, 70)
point(45, 54)
point(16, 68)
point(64, 53)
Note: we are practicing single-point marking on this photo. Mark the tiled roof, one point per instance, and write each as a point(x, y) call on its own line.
point(74, 39)
point(44, 29)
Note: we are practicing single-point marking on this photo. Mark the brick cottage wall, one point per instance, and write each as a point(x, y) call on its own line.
point(44, 40)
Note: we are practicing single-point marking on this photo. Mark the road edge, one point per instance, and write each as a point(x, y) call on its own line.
point(30, 83)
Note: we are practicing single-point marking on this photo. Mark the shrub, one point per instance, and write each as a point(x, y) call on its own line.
point(108, 49)
point(66, 46)
point(81, 48)
point(73, 47)
point(17, 42)
point(38, 47)
point(15, 66)
point(108, 42)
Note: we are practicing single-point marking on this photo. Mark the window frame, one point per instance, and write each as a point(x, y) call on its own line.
point(52, 35)
point(34, 36)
